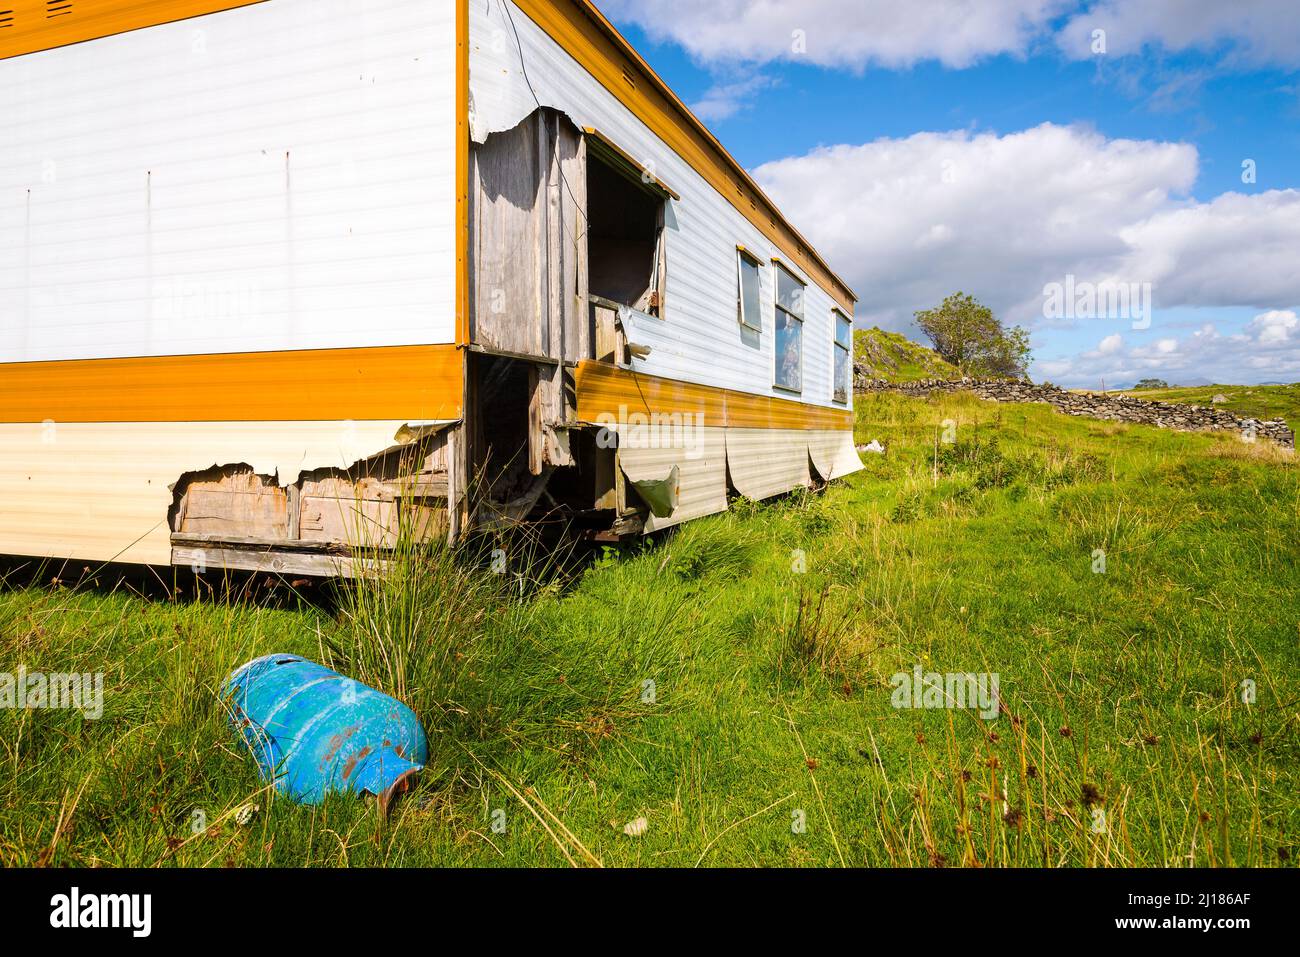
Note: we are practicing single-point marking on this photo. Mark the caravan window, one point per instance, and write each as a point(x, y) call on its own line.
point(625, 232)
point(843, 351)
point(750, 283)
point(789, 330)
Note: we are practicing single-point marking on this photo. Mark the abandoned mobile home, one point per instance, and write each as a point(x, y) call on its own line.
point(276, 275)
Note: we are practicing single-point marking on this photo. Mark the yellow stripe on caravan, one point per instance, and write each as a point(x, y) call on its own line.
point(604, 390)
point(410, 383)
point(29, 26)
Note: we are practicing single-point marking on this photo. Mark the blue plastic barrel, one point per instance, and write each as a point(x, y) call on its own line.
point(315, 732)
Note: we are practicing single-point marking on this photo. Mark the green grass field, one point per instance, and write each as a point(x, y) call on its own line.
point(770, 635)
point(1254, 401)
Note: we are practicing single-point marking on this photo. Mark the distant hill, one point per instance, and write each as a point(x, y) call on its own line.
point(896, 358)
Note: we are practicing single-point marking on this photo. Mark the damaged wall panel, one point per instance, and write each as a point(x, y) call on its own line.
point(766, 462)
point(399, 494)
point(833, 454)
point(700, 339)
point(526, 235)
point(102, 491)
point(700, 460)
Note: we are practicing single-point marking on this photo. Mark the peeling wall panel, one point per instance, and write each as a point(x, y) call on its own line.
point(701, 459)
point(767, 462)
point(833, 454)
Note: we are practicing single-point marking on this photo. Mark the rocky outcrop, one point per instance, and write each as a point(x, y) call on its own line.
point(1114, 408)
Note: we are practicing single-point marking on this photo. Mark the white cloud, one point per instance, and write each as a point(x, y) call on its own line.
point(908, 221)
point(842, 33)
point(1267, 348)
point(1251, 32)
point(855, 34)
point(1274, 326)
point(1233, 250)
point(1111, 344)
point(725, 99)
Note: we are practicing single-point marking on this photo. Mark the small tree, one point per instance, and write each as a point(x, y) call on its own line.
point(968, 335)
point(1151, 384)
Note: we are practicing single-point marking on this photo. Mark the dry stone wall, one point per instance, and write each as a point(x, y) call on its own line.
point(1115, 408)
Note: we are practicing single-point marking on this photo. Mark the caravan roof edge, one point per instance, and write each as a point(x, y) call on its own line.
point(578, 26)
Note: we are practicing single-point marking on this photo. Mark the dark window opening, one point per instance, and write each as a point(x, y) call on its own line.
point(625, 221)
point(502, 393)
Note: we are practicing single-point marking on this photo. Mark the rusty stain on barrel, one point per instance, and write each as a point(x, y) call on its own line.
point(315, 732)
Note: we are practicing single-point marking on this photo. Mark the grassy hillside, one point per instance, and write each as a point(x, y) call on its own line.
point(1253, 401)
point(771, 636)
point(893, 356)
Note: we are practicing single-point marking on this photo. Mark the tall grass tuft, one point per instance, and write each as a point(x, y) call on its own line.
point(720, 549)
point(816, 639)
point(414, 630)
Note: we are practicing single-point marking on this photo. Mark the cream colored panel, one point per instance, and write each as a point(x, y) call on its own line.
point(699, 453)
point(846, 455)
point(102, 492)
point(767, 462)
point(833, 454)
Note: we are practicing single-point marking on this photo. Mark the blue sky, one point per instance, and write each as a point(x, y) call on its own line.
point(997, 147)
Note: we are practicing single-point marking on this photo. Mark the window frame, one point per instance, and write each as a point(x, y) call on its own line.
point(780, 267)
point(599, 148)
point(838, 315)
point(743, 256)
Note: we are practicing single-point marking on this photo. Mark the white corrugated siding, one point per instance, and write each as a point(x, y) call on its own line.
point(699, 339)
point(833, 454)
point(702, 460)
point(767, 462)
point(280, 176)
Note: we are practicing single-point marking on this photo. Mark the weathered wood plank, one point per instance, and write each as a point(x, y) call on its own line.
point(210, 558)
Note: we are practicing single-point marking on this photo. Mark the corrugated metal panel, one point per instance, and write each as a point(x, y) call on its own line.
point(279, 176)
point(700, 338)
point(702, 460)
point(101, 492)
point(833, 454)
point(767, 462)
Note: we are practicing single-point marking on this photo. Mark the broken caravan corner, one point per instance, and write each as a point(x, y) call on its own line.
point(573, 338)
point(606, 231)
point(240, 302)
